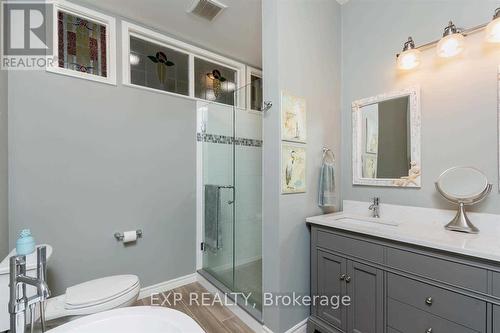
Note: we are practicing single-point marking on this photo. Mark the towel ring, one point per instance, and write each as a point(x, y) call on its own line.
point(327, 152)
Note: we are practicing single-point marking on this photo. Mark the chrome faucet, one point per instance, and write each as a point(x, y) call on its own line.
point(375, 207)
point(19, 302)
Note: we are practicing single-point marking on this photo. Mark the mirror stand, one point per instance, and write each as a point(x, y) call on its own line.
point(461, 222)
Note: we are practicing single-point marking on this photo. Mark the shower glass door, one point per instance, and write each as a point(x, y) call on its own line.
point(218, 191)
point(231, 140)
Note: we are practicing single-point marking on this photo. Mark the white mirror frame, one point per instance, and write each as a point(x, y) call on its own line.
point(414, 174)
point(498, 103)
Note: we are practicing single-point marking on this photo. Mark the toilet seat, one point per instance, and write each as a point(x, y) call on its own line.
point(94, 296)
point(99, 291)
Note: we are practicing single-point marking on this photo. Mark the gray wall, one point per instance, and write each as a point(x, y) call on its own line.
point(301, 54)
point(90, 159)
point(459, 96)
point(235, 33)
point(4, 224)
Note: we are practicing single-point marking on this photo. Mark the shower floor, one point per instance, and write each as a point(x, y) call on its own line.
point(248, 279)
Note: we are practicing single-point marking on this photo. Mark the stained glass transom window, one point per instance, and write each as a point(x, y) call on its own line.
point(82, 45)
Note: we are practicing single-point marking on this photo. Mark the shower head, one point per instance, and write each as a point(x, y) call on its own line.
point(266, 106)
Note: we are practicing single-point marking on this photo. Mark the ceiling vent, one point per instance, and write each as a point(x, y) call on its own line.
point(207, 9)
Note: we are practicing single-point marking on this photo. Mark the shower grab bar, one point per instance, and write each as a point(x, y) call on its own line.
point(226, 186)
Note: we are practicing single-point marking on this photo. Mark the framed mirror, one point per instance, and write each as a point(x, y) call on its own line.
point(386, 139)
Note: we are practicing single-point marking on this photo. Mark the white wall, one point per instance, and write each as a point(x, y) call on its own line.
point(301, 45)
point(4, 224)
point(459, 96)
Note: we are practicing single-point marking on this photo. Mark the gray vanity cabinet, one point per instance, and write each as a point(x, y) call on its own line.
point(365, 288)
point(496, 319)
point(335, 275)
point(396, 287)
point(331, 282)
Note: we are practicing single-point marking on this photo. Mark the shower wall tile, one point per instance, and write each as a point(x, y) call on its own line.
point(248, 125)
point(219, 120)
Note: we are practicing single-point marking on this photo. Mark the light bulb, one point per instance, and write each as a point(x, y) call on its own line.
point(210, 95)
point(493, 29)
point(134, 59)
point(410, 57)
point(451, 45)
point(228, 86)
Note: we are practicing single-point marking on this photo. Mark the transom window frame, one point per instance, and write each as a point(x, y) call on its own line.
point(151, 36)
point(92, 15)
point(252, 71)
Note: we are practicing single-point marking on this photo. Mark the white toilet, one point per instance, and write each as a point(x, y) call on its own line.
point(79, 300)
point(94, 296)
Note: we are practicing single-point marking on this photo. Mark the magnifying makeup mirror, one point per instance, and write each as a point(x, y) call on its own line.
point(464, 186)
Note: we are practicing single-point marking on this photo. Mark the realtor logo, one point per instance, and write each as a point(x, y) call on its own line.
point(27, 38)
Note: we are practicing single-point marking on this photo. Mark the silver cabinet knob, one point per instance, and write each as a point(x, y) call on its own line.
point(429, 330)
point(428, 301)
point(342, 277)
point(348, 279)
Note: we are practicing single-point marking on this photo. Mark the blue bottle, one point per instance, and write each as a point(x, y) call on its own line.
point(25, 244)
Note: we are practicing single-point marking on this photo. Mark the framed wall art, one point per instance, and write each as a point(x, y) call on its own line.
point(293, 118)
point(293, 168)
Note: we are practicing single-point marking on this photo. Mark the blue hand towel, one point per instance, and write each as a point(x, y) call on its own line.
point(326, 197)
point(213, 230)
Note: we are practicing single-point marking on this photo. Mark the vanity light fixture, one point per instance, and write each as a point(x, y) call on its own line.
point(493, 28)
point(452, 43)
point(410, 57)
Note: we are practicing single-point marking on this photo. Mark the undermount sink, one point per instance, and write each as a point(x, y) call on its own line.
point(363, 219)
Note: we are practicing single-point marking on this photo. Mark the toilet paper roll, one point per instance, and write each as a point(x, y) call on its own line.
point(129, 236)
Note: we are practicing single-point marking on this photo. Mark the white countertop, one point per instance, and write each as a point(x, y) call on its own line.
point(421, 226)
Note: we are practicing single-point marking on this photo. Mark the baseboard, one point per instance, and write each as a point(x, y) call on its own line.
point(299, 328)
point(167, 285)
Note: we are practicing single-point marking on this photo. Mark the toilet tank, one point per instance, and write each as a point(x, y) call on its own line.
point(4, 284)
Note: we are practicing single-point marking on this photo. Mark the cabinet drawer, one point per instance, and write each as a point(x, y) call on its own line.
point(350, 246)
point(496, 284)
point(407, 319)
point(452, 306)
point(454, 273)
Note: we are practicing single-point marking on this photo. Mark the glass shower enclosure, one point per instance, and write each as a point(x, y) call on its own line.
point(230, 140)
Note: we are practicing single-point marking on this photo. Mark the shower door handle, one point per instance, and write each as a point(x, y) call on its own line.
point(230, 202)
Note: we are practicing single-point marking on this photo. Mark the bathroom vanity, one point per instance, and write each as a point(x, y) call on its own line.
point(412, 277)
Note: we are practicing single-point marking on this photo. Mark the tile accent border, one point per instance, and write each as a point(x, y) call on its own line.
point(228, 140)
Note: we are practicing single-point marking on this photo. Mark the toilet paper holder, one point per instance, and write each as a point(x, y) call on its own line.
point(119, 236)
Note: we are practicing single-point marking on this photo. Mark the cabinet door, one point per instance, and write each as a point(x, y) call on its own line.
point(330, 282)
point(365, 286)
point(496, 319)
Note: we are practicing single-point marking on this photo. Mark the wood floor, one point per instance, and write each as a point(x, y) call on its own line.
point(213, 318)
